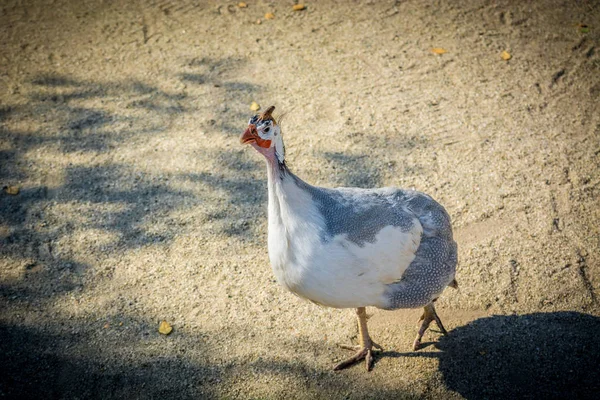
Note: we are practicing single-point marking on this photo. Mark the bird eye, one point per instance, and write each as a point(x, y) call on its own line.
point(267, 129)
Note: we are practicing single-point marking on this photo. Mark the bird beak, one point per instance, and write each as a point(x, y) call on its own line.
point(249, 135)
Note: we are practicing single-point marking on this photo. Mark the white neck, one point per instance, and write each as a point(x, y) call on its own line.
point(289, 203)
point(279, 148)
point(276, 173)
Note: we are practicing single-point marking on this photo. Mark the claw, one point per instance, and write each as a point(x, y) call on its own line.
point(364, 353)
point(349, 347)
point(416, 344)
point(369, 360)
point(428, 316)
point(365, 350)
point(438, 322)
point(352, 360)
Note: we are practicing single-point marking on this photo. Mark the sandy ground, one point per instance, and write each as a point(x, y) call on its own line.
point(119, 123)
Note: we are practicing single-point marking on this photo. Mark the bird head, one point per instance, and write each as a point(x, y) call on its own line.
point(264, 134)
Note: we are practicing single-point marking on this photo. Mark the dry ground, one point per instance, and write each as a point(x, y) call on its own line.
point(119, 122)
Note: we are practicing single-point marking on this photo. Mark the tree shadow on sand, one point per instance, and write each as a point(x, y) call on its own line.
point(541, 355)
point(66, 361)
point(244, 206)
point(230, 96)
point(65, 117)
point(43, 364)
point(355, 170)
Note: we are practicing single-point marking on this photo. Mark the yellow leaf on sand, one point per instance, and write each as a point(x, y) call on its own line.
point(269, 16)
point(438, 50)
point(165, 328)
point(242, 5)
point(505, 55)
point(13, 190)
point(254, 106)
point(298, 7)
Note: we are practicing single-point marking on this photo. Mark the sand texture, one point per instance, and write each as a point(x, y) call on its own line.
point(119, 128)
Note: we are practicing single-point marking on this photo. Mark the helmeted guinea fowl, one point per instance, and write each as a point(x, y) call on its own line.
point(351, 248)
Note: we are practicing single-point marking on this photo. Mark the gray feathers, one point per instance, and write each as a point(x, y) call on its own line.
point(435, 261)
point(359, 213)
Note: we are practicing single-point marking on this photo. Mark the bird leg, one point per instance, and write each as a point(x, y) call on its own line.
point(365, 349)
point(429, 315)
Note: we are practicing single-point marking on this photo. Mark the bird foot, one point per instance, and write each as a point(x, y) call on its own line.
point(364, 352)
point(416, 344)
point(428, 316)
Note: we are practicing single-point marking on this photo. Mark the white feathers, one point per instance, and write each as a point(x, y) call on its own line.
point(279, 147)
point(269, 131)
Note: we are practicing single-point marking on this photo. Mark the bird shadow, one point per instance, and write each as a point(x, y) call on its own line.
point(540, 355)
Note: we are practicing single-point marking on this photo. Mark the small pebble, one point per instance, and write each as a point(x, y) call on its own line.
point(12, 190)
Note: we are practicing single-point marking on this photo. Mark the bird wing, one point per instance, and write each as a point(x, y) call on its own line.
point(374, 225)
point(434, 264)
